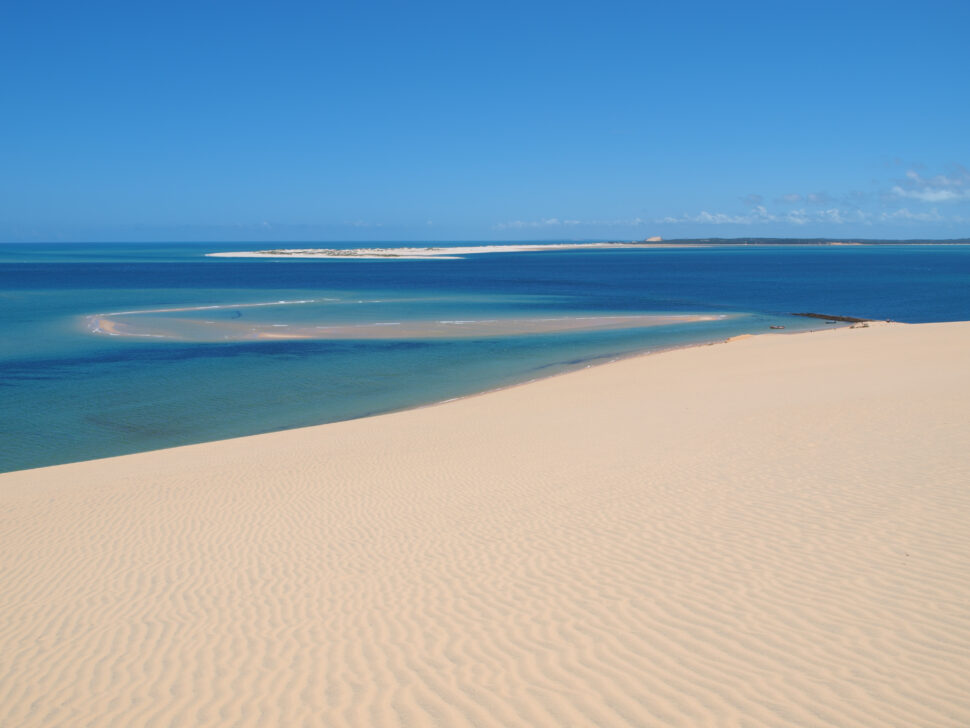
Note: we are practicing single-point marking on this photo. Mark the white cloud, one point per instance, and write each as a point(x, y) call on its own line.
point(757, 214)
point(932, 195)
point(852, 208)
point(905, 214)
point(760, 214)
point(633, 221)
point(816, 198)
point(720, 218)
point(546, 222)
point(939, 188)
point(960, 179)
point(796, 217)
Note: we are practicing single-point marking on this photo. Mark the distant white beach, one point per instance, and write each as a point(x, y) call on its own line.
point(438, 252)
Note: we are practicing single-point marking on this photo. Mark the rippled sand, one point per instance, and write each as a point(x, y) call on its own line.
point(769, 532)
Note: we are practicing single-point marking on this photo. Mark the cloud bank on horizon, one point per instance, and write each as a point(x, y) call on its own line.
point(913, 198)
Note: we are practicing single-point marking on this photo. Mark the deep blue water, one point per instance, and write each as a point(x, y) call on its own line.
point(67, 394)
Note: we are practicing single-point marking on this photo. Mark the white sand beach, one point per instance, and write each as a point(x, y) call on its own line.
point(457, 252)
point(448, 252)
point(768, 532)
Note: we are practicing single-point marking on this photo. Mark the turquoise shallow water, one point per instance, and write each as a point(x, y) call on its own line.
point(69, 394)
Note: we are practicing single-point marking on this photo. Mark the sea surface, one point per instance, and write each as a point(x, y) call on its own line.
point(69, 391)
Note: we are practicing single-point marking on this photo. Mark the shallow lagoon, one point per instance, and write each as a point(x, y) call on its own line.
point(69, 394)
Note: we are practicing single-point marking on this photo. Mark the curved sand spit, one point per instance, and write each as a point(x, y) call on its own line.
point(771, 532)
point(139, 325)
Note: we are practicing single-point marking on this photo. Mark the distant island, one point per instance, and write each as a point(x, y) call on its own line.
point(434, 251)
point(456, 252)
point(813, 241)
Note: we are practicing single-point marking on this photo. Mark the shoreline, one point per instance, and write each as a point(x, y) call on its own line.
point(769, 532)
point(565, 369)
point(606, 360)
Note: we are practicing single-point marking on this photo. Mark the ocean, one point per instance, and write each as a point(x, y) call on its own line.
point(70, 391)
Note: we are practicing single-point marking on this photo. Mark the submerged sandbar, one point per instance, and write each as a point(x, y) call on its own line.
point(156, 324)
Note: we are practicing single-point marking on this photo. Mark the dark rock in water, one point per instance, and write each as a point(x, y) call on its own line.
point(833, 319)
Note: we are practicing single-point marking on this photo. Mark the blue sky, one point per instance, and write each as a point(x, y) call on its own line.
point(302, 121)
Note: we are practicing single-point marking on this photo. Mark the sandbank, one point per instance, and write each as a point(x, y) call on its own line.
point(144, 324)
point(767, 532)
point(450, 252)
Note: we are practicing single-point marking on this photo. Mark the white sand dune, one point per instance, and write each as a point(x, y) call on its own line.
point(771, 532)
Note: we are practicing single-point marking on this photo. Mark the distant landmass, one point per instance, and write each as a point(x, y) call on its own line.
point(807, 241)
point(453, 252)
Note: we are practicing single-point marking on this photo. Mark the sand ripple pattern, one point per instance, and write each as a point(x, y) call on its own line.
point(771, 532)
